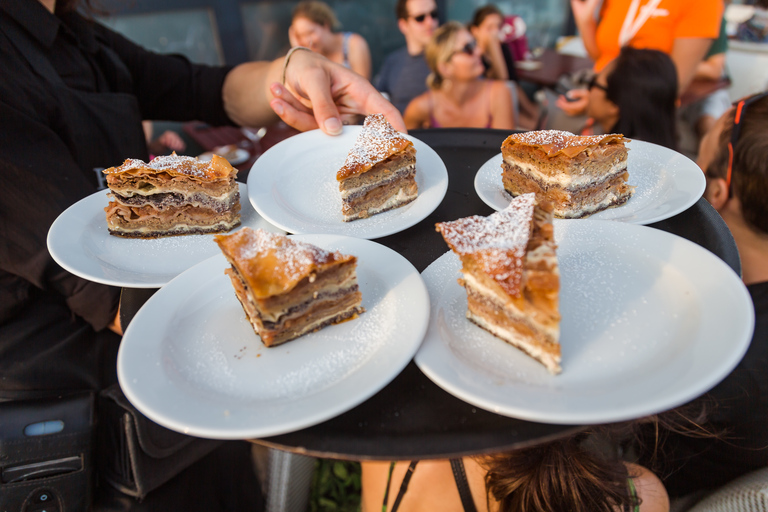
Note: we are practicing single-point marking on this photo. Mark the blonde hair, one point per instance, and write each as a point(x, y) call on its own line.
point(440, 49)
point(316, 12)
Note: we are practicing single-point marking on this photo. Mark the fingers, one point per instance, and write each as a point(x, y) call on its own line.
point(317, 86)
point(291, 110)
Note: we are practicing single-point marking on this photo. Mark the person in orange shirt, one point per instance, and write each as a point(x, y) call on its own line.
point(684, 29)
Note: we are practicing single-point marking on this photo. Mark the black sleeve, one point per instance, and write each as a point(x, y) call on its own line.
point(169, 87)
point(40, 180)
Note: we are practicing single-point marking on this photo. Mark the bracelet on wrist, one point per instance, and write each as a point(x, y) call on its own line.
point(288, 58)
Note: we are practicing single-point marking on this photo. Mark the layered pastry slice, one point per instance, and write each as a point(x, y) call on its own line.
point(580, 175)
point(172, 195)
point(511, 276)
point(288, 288)
point(379, 173)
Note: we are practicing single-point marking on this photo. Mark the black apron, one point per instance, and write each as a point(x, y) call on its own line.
point(103, 128)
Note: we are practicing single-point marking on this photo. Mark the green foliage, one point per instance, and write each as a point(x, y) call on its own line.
point(335, 486)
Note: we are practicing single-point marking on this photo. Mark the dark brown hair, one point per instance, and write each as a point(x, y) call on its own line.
point(316, 12)
point(559, 476)
point(401, 9)
point(749, 176)
point(643, 84)
point(484, 12)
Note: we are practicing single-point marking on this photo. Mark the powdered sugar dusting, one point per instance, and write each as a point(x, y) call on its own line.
point(554, 141)
point(178, 165)
point(376, 142)
point(273, 263)
point(501, 238)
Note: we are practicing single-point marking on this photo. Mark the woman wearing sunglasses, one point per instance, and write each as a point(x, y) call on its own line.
point(458, 95)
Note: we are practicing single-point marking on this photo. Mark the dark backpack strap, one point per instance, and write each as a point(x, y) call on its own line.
point(403, 486)
point(457, 465)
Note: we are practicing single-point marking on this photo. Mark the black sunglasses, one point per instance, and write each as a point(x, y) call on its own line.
point(741, 107)
point(593, 83)
point(421, 17)
point(468, 48)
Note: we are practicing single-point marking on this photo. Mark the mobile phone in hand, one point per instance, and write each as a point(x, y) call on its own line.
point(561, 90)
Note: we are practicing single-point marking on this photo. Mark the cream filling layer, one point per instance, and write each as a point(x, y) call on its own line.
point(369, 186)
point(393, 201)
point(551, 362)
point(130, 192)
point(575, 211)
point(551, 332)
point(174, 227)
point(568, 181)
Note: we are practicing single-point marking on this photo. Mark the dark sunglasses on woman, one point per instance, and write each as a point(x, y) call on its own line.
point(468, 48)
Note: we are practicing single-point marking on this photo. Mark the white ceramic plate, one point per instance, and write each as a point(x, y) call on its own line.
point(79, 241)
point(666, 183)
point(649, 321)
point(293, 185)
point(190, 360)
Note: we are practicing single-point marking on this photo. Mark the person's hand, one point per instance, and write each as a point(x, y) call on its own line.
point(172, 141)
point(578, 104)
point(584, 10)
point(317, 91)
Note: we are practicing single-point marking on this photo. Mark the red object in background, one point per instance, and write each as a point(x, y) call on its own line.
point(513, 35)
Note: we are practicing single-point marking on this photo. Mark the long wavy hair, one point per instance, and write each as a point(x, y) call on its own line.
point(439, 50)
point(643, 84)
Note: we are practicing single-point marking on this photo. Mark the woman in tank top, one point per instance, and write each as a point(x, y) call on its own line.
point(313, 26)
point(458, 95)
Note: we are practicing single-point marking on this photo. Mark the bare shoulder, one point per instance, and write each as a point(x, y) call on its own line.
point(653, 496)
point(356, 41)
point(417, 112)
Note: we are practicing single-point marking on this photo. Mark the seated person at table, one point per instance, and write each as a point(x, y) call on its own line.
point(72, 99)
point(458, 95)
point(485, 27)
point(635, 95)
point(314, 24)
point(403, 75)
point(683, 29)
point(739, 415)
point(557, 476)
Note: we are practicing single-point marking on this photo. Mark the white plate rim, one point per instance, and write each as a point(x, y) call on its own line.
point(430, 168)
point(686, 175)
point(348, 392)
point(432, 355)
point(66, 250)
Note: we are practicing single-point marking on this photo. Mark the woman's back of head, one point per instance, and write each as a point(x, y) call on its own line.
point(643, 84)
point(560, 476)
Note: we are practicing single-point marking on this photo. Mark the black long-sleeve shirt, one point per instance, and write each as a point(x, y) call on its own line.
point(49, 318)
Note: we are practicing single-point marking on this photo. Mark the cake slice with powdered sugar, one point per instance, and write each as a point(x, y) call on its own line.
point(289, 288)
point(580, 175)
point(379, 173)
point(511, 275)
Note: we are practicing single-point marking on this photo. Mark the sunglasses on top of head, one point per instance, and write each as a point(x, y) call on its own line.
point(741, 107)
point(421, 17)
point(468, 48)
